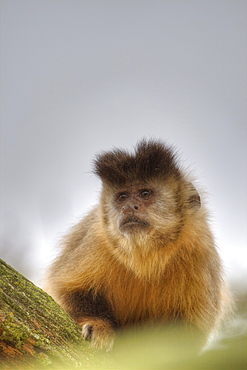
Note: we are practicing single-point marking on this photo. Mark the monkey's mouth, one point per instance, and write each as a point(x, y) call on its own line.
point(132, 222)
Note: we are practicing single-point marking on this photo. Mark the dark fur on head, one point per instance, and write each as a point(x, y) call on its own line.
point(151, 160)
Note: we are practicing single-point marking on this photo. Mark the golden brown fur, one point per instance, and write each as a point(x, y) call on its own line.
point(168, 271)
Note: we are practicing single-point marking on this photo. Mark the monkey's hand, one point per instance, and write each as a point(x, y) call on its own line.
point(98, 332)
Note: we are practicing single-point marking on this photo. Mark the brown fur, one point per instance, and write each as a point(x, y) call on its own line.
point(165, 272)
point(151, 160)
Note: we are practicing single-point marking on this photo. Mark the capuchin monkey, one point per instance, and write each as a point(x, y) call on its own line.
point(144, 255)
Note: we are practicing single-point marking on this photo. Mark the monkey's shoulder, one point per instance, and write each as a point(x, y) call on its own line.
point(83, 232)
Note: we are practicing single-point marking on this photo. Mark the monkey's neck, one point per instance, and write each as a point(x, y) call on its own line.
point(146, 257)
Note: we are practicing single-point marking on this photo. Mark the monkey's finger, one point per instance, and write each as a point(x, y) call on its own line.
point(87, 331)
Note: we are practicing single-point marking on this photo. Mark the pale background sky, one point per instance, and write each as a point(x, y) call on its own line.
point(79, 76)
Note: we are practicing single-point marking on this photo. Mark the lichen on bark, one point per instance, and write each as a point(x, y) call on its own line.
point(34, 329)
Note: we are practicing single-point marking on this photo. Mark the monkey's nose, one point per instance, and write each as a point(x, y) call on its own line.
point(129, 208)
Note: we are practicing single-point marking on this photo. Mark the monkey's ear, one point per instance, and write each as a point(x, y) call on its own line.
point(194, 199)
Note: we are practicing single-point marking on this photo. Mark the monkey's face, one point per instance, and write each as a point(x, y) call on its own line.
point(141, 209)
point(132, 204)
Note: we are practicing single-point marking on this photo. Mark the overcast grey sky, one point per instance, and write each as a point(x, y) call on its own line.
point(79, 76)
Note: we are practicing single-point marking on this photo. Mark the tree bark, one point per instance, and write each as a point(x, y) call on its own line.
point(34, 330)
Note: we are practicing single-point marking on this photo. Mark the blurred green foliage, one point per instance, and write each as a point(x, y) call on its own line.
point(164, 349)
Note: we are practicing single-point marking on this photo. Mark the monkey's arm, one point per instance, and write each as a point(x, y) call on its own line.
point(74, 280)
point(91, 311)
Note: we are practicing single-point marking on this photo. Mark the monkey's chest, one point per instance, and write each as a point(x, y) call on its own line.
point(139, 302)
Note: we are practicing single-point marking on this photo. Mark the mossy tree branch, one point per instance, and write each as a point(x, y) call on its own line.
point(34, 329)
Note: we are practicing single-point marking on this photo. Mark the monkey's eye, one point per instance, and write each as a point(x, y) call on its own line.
point(122, 197)
point(145, 194)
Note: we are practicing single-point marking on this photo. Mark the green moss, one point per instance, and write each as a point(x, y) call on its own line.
point(32, 322)
point(15, 333)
